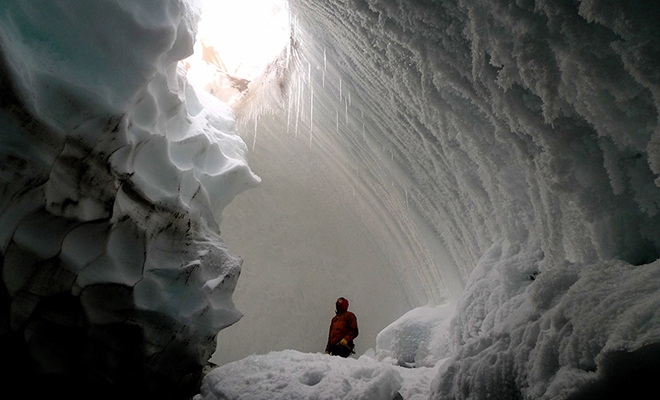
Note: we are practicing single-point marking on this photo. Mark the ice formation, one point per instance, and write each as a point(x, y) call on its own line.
point(114, 176)
point(525, 134)
point(523, 138)
point(419, 338)
point(520, 138)
point(568, 332)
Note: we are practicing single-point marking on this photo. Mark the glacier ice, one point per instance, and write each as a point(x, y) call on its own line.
point(524, 136)
point(502, 155)
point(114, 175)
point(519, 136)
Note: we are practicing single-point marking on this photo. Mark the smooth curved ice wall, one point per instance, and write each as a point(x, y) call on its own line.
point(534, 122)
point(522, 137)
point(114, 176)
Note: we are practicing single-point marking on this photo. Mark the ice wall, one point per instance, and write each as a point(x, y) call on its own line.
point(520, 136)
point(534, 122)
point(114, 176)
point(320, 226)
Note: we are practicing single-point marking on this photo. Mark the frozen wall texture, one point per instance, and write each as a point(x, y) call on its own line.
point(114, 176)
point(521, 137)
point(533, 121)
point(526, 135)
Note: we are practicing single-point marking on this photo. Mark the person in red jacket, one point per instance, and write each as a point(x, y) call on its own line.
point(343, 329)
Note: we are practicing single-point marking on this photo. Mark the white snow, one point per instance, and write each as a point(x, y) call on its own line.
point(420, 338)
point(376, 375)
point(551, 336)
point(290, 374)
point(556, 335)
point(491, 166)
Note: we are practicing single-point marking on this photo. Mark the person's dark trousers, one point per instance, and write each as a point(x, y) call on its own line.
point(340, 350)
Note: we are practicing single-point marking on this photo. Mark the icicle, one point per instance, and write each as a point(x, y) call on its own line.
point(406, 189)
point(298, 104)
point(254, 140)
point(288, 55)
point(325, 61)
point(364, 136)
point(349, 97)
point(288, 112)
point(311, 115)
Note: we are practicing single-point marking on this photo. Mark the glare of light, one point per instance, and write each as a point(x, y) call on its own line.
point(240, 37)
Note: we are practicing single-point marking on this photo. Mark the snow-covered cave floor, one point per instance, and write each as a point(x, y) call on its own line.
point(408, 356)
point(290, 374)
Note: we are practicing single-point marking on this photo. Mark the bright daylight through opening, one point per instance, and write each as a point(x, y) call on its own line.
point(237, 39)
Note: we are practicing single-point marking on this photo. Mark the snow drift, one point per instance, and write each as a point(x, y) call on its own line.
point(419, 338)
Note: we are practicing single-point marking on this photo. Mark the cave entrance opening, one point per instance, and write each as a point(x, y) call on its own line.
point(236, 41)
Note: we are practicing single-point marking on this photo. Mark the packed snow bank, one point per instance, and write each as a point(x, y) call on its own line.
point(115, 173)
point(420, 338)
point(291, 375)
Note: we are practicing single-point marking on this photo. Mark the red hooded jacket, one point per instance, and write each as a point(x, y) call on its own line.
point(343, 326)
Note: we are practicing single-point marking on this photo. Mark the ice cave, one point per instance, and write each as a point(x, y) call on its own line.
point(480, 178)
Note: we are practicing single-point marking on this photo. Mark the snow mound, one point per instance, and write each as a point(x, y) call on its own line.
point(420, 338)
point(292, 375)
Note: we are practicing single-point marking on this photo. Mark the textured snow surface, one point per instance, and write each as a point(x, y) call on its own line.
point(565, 333)
point(534, 122)
point(419, 338)
point(587, 332)
point(293, 375)
point(115, 173)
